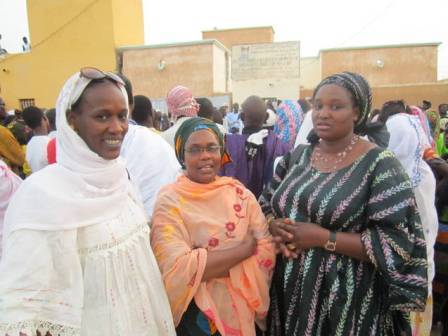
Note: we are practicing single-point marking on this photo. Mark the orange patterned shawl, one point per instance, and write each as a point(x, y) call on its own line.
point(190, 219)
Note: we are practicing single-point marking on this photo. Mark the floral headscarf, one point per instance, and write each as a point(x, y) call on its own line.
point(288, 122)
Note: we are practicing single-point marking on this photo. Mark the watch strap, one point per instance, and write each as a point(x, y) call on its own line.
point(330, 245)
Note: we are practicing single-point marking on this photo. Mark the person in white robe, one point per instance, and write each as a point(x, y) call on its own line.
point(77, 258)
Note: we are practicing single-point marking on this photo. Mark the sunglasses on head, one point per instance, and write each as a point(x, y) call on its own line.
point(94, 73)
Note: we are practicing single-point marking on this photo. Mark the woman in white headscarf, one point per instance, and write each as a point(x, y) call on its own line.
point(408, 141)
point(9, 183)
point(77, 258)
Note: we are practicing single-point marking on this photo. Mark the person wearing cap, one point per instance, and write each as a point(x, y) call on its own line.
point(181, 106)
point(211, 241)
point(253, 152)
point(76, 254)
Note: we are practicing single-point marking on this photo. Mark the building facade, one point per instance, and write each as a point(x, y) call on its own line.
point(202, 66)
point(407, 71)
point(65, 36)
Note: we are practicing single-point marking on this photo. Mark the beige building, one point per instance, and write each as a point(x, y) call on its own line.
point(260, 66)
point(206, 66)
point(385, 65)
point(202, 66)
point(407, 71)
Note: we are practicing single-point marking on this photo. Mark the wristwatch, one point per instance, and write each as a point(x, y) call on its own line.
point(330, 245)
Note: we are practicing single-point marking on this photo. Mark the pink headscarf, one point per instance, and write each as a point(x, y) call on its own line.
point(180, 102)
point(9, 182)
point(423, 118)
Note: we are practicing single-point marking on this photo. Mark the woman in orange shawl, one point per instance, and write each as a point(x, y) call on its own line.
point(211, 241)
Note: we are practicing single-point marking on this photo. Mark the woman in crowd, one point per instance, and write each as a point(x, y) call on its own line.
point(9, 183)
point(345, 215)
point(409, 141)
point(211, 241)
point(77, 258)
point(289, 118)
point(10, 151)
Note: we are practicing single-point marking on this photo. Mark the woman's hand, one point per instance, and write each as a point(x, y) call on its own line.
point(303, 236)
point(282, 238)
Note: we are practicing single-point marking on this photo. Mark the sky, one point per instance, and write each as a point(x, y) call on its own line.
point(317, 24)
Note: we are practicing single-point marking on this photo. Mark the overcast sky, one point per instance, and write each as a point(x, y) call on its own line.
point(317, 24)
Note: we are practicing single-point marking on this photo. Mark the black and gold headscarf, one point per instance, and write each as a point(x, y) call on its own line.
point(192, 125)
point(358, 86)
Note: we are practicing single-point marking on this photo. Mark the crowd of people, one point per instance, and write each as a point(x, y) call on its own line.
point(286, 217)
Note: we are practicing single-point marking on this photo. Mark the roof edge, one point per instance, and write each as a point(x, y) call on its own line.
point(175, 44)
point(242, 28)
point(427, 44)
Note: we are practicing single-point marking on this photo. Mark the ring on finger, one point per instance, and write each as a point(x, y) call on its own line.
point(291, 246)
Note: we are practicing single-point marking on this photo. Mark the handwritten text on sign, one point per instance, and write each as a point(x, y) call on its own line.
point(271, 60)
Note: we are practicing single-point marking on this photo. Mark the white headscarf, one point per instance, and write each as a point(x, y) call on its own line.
point(408, 142)
point(9, 182)
point(81, 189)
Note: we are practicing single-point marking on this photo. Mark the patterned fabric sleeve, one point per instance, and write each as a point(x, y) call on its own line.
point(394, 239)
point(279, 174)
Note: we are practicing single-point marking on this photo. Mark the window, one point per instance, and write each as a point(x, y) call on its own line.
point(26, 102)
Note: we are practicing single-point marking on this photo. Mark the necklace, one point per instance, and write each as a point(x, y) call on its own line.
point(331, 161)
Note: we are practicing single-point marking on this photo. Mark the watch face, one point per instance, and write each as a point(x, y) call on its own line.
point(330, 246)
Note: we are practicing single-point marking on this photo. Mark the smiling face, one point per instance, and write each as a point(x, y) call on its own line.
point(202, 166)
point(100, 119)
point(334, 114)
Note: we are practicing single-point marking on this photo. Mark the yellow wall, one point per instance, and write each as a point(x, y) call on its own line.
point(188, 64)
point(402, 64)
point(128, 22)
point(65, 35)
point(231, 37)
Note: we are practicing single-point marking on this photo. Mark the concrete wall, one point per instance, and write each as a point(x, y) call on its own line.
point(412, 94)
point(231, 37)
point(188, 64)
point(436, 93)
point(274, 88)
point(384, 65)
point(268, 70)
point(310, 72)
point(220, 70)
point(66, 35)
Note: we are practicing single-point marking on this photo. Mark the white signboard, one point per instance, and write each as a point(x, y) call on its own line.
point(266, 61)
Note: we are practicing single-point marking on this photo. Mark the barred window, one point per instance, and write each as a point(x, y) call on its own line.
point(26, 102)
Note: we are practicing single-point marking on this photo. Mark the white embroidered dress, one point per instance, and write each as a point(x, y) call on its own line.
point(77, 258)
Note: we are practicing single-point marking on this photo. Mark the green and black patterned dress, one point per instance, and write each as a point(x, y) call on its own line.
point(324, 293)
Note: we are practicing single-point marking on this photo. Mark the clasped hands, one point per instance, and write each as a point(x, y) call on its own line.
point(292, 238)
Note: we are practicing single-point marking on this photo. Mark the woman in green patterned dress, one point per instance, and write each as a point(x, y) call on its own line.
point(344, 215)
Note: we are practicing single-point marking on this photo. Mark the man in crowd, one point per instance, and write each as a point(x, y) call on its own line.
point(253, 152)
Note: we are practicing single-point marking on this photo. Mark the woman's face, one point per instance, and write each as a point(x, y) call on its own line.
point(101, 119)
point(334, 115)
point(202, 156)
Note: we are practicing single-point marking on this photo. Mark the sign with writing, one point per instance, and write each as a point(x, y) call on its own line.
point(263, 61)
